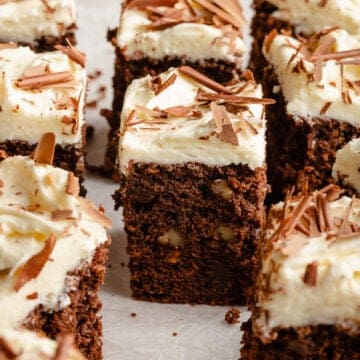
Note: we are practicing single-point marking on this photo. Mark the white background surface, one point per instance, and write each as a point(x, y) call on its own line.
point(202, 333)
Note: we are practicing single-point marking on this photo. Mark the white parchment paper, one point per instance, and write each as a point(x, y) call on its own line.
point(135, 330)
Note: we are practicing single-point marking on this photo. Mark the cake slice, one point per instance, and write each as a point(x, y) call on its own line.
point(41, 93)
point(307, 297)
point(155, 35)
point(316, 85)
point(192, 161)
point(346, 169)
point(27, 345)
point(301, 17)
point(40, 24)
point(53, 248)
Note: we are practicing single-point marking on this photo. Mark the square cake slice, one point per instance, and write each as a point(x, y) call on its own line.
point(307, 296)
point(53, 248)
point(43, 93)
point(40, 24)
point(192, 161)
point(316, 84)
point(156, 35)
point(28, 345)
point(300, 17)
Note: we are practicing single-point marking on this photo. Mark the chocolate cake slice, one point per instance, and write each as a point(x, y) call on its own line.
point(300, 17)
point(40, 24)
point(27, 345)
point(41, 93)
point(316, 84)
point(192, 161)
point(155, 35)
point(53, 248)
point(307, 297)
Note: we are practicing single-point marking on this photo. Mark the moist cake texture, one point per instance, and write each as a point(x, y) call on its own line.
point(192, 161)
point(307, 295)
point(53, 249)
point(154, 36)
point(38, 23)
point(43, 93)
point(315, 84)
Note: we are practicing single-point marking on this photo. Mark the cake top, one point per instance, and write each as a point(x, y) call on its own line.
point(46, 231)
point(157, 29)
point(311, 263)
point(27, 345)
point(41, 92)
point(319, 76)
point(309, 16)
point(29, 20)
point(346, 168)
point(183, 116)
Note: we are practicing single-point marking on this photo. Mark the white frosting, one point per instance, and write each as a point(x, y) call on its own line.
point(310, 16)
point(29, 20)
point(26, 114)
point(24, 232)
point(285, 300)
point(307, 99)
point(191, 40)
point(31, 346)
point(178, 140)
point(347, 164)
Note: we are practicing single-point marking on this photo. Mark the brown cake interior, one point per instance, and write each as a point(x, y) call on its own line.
point(81, 318)
point(214, 262)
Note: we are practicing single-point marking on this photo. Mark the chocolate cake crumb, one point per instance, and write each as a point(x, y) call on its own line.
point(232, 316)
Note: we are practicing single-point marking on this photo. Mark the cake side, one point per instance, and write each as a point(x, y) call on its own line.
point(311, 247)
point(39, 24)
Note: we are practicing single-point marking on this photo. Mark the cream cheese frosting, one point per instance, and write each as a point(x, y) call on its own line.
point(310, 16)
point(306, 97)
point(180, 139)
point(347, 165)
point(137, 40)
point(310, 279)
point(29, 20)
point(26, 113)
point(41, 217)
point(27, 345)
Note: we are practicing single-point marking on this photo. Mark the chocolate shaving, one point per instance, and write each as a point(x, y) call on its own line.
point(318, 69)
point(72, 185)
point(180, 111)
point(73, 54)
point(45, 149)
point(89, 208)
point(269, 38)
point(39, 81)
point(325, 108)
point(338, 55)
point(58, 215)
point(310, 277)
point(7, 350)
point(223, 124)
point(204, 80)
point(168, 82)
point(32, 268)
point(143, 4)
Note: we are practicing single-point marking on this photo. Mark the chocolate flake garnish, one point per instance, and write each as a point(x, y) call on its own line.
point(223, 124)
point(39, 81)
point(7, 349)
point(58, 215)
point(204, 80)
point(310, 276)
point(325, 108)
point(269, 38)
point(89, 208)
point(32, 296)
point(168, 82)
point(143, 4)
point(73, 53)
point(180, 111)
point(72, 185)
point(66, 344)
point(45, 149)
point(32, 268)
